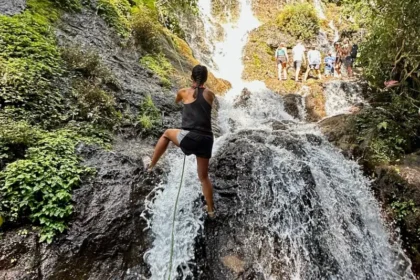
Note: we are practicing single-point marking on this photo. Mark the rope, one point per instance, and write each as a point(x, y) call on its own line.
point(173, 221)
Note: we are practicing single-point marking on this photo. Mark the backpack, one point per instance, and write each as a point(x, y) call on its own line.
point(354, 50)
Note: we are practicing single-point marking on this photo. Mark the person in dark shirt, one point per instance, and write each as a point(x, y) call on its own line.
point(196, 136)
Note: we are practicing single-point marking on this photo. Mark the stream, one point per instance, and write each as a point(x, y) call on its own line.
point(301, 210)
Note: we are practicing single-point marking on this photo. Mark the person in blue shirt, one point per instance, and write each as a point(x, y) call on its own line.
point(329, 65)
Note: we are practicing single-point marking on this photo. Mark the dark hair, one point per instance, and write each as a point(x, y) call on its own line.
point(199, 75)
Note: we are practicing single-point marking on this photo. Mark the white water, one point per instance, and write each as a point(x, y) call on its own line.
point(352, 229)
point(341, 96)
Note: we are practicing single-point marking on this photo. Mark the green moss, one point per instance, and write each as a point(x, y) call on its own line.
point(29, 62)
point(160, 65)
point(299, 20)
point(146, 30)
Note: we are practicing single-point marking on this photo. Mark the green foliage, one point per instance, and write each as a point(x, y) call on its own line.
point(387, 134)
point(145, 29)
point(94, 104)
point(160, 65)
point(29, 61)
point(149, 116)
point(15, 137)
point(117, 14)
point(299, 20)
point(39, 186)
point(403, 208)
point(169, 11)
point(88, 63)
point(73, 5)
point(390, 49)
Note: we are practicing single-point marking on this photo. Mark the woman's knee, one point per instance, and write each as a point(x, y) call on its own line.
point(203, 175)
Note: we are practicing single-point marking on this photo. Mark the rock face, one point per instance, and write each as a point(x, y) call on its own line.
point(105, 240)
point(12, 7)
point(88, 31)
point(293, 105)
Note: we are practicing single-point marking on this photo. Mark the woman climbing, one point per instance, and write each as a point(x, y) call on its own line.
point(196, 135)
point(282, 59)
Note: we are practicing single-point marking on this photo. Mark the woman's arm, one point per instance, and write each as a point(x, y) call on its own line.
point(287, 56)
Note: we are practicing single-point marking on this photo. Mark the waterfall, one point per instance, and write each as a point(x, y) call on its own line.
point(341, 96)
point(303, 204)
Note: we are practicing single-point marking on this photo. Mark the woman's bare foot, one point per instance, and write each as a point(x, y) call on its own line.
point(147, 164)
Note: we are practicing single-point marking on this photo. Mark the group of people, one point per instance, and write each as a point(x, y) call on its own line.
point(344, 55)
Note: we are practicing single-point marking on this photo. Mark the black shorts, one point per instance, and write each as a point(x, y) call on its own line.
point(194, 143)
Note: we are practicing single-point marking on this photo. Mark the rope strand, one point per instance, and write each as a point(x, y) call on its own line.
point(173, 221)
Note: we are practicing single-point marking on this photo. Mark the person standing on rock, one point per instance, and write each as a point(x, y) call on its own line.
point(196, 136)
point(314, 61)
point(337, 68)
point(282, 59)
point(329, 61)
point(347, 60)
point(298, 52)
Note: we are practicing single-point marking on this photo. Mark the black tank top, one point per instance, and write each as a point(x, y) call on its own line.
point(196, 116)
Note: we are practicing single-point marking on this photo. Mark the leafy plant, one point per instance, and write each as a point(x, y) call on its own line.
point(29, 62)
point(145, 29)
point(160, 65)
point(88, 63)
point(299, 20)
point(73, 5)
point(117, 14)
point(149, 116)
point(94, 104)
point(39, 186)
point(403, 208)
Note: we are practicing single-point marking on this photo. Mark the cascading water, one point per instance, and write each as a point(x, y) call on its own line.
point(302, 211)
point(341, 96)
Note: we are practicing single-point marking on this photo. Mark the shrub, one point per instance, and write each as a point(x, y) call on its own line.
point(39, 187)
point(15, 138)
point(149, 116)
point(160, 65)
point(95, 105)
point(389, 132)
point(88, 63)
point(29, 63)
point(299, 20)
point(73, 5)
point(116, 13)
point(145, 29)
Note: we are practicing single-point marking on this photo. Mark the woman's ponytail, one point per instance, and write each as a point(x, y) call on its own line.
point(199, 76)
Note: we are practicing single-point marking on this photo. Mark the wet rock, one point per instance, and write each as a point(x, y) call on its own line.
point(293, 105)
point(105, 238)
point(19, 255)
point(90, 32)
point(337, 131)
point(12, 7)
point(243, 98)
point(237, 240)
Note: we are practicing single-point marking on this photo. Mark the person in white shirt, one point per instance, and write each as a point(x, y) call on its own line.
point(298, 52)
point(314, 61)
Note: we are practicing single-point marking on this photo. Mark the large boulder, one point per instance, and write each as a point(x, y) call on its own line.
point(286, 208)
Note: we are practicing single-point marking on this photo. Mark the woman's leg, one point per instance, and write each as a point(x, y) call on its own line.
point(162, 144)
point(279, 70)
point(285, 70)
point(203, 175)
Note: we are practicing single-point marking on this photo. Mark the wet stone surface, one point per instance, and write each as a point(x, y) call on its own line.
point(12, 7)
